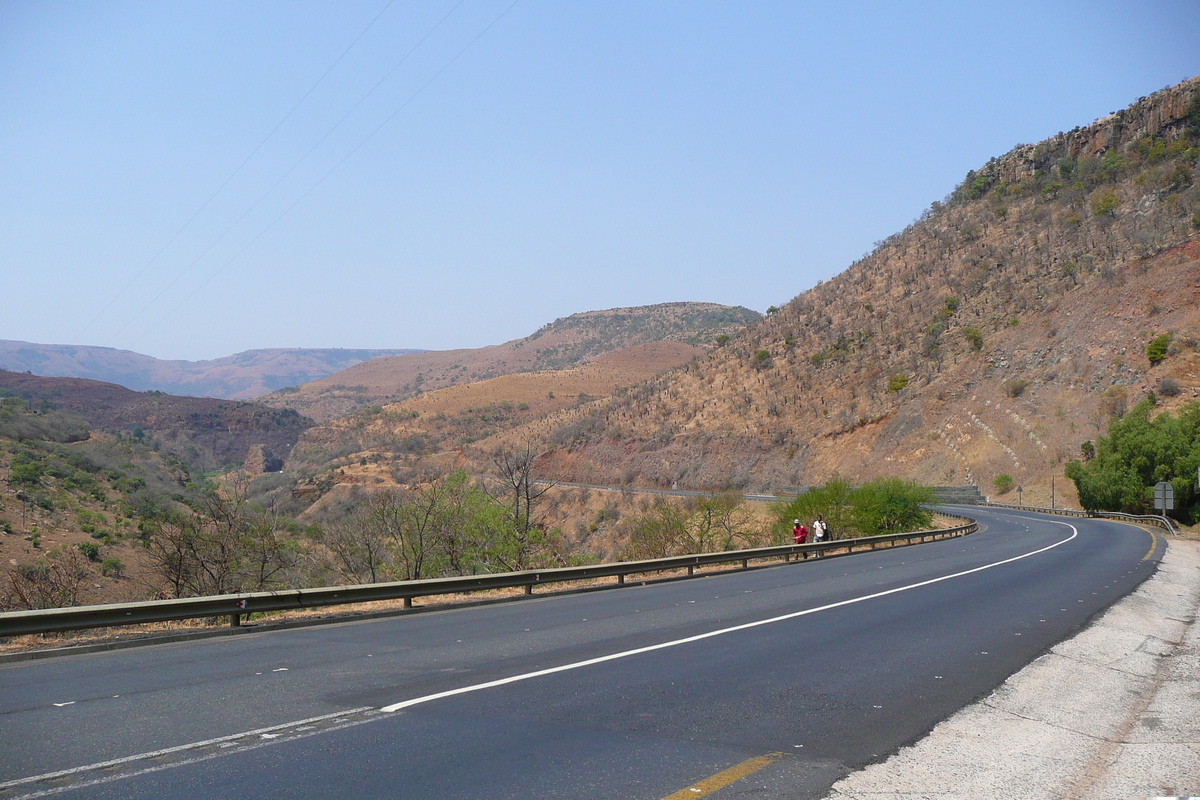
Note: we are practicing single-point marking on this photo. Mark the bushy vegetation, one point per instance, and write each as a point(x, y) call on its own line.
point(1003, 483)
point(887, 505)
point(1156, 351)
point(20, 422)
point(710, 524)
point(1138, 452)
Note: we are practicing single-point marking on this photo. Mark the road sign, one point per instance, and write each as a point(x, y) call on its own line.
point(1164, 496)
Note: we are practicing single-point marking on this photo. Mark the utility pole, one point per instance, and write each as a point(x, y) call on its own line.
point(1051, 492)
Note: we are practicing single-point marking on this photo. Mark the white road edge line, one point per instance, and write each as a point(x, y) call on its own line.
point(168, 750)
point(663, 645)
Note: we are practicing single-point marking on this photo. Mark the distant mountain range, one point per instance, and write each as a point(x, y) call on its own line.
point(567, 342)
point(240, 376)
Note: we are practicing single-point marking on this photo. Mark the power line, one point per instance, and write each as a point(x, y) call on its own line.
point(232, 175)
point(283, 177)
point(335, 167)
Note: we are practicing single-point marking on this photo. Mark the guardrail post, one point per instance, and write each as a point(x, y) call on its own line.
point(745, 563)
point(408, 602)
point(235, 620)
point(691, 570)
point(529, 588)
point(621, 579)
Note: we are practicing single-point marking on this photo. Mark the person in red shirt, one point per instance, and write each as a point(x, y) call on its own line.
point(799, 533)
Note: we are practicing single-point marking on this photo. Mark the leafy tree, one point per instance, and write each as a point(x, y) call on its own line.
point(1138, 453)
point(1003, 483)
point(832, 501)
point(891, 505)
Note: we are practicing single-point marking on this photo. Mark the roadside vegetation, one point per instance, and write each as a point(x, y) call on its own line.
point(887, 505)
point(1139, 451)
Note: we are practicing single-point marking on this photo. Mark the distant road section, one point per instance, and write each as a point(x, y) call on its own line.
point(639, 692)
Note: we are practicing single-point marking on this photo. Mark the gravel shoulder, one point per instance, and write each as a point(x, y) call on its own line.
point(1112, 713)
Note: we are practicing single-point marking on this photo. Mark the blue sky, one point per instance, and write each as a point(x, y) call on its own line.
point(527, 161)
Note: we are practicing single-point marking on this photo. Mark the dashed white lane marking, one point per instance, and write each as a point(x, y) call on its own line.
point(281, 669)
point(264, 736)
point(68, 703)
point(745, 626)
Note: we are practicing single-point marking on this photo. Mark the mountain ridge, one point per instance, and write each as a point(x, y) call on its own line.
point(240, 376)
point(566, 342)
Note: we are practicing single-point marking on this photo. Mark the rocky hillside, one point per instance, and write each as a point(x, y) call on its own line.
point(992, 337)
point(201, 432)
point(566, 342)
point(240, 376)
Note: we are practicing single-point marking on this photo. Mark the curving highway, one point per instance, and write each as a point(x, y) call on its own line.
point(781, 679)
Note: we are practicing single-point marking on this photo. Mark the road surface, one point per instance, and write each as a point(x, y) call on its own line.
point(793, 675)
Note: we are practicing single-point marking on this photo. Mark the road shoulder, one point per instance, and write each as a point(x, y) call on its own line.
point(1111, 712)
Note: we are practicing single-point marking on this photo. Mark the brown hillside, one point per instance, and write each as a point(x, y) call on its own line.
point(994, 335)
point(444, 420)
point(564, 343)
point(201, 431)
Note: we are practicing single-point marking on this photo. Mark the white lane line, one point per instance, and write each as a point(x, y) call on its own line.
point(745, 626)
point(168, 750)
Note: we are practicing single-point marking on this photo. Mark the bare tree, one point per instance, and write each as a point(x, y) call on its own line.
point(53, 582)
point(225, 546)
point(359, 546)
point(515, 467)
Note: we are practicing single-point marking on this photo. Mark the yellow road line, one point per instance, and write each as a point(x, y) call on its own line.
point(1153, 545)
point(723, 779)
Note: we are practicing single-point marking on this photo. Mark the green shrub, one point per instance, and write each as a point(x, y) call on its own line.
point(974, 337)
point(1156, 351)
point(1003, 483)
point(1105, 202)
point(762, 359)
point(890, 505)
point(90, 550)
point(897, 383)
point(112, 567)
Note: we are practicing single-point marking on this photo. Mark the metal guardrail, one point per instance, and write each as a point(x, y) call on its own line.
point(1153, 519)
point(53, 620)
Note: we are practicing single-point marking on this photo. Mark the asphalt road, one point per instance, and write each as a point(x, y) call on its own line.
point(834, 663)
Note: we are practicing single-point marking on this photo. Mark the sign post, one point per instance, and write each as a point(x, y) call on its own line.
point(1164, 496)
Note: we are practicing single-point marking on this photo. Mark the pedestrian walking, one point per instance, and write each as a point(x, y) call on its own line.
point(799, 533)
